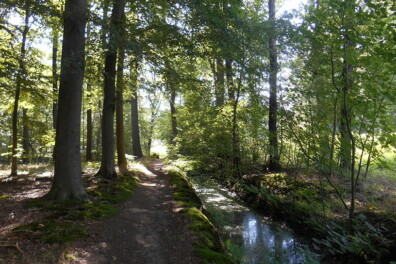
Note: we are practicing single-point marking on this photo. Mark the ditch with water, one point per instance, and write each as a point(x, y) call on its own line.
point(249, 236)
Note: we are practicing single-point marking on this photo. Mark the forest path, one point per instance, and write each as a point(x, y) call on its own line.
point(148, 229)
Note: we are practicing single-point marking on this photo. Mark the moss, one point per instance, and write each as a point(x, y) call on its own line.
point(61, 225)
point(209, 248)
point(183, 193)
point(115, 191)
point(53, 232)
point(95, 210)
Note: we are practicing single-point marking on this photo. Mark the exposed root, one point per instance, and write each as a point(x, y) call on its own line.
point(7, 244)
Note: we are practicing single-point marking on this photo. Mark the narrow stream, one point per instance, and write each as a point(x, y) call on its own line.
point(250, 237)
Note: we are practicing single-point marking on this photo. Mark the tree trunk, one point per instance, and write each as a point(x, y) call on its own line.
point(347, 147)
point(173, 115)
point(219, 82)
point(122, 162)
point(136, 146)
point(274, 163)
point(21, 76)
point(151, 132)
point(89, 136)
point(107, 167)
point(67, 183)
point(98, 142)
point(54, 76)
point(230, 82)
point(234, 100)
point(88, 154)
point(236, 150)
point(25, 137)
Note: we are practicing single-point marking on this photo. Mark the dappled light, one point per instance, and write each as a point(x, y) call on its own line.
point(280, 113)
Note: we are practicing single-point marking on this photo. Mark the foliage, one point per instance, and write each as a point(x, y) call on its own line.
point(366, 243)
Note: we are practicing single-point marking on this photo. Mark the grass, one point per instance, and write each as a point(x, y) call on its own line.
point(209, 247)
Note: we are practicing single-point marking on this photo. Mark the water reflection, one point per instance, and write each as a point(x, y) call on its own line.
point(259, 239)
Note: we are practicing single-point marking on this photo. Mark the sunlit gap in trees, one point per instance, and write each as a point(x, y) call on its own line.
point(41, 40)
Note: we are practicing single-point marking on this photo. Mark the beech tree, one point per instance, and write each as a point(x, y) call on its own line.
point(136, 145)
point(107, 167)
point(274, 162)
point(20, 82)
point(67, 183)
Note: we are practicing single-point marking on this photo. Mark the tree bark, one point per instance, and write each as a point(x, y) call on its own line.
point(67, 183)
point(55, 37)
point(107, 167)
point(88, 156)
point(98, 141)
point(122, 162)
point(219, 82)
point(230, 82)
point(151, 132)
point(136, 146)
point(274, 163)
point(21, 76)
point(173, 112)
point(25, 137)
point(233, 94)
point(347, 141)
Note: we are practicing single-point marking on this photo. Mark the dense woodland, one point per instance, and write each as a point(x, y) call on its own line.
point(237, 86)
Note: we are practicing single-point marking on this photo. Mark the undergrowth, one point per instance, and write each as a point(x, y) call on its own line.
point(209, 248)
point(299, 205)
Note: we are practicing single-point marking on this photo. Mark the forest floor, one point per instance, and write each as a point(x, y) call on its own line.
point(148, 228)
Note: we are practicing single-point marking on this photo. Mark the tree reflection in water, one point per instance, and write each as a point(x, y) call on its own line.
point(260, 240)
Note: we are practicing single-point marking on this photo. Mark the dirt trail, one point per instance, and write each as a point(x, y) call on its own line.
point(148, 229)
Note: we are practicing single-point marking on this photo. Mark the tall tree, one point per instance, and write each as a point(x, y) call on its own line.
point(121, 160)
point(55, 36)
point(25, 136)
point(173, 112)
point(21, 80)
point(274, 162)
point(347, 148)
point(88, 154)
point(347, 83)
point(218, 73)
point(107, 167)
point(67, 183)
point(136, 145)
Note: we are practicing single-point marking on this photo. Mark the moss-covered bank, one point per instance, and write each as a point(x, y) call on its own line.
point(209, 247)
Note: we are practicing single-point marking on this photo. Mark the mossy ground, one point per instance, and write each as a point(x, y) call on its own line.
point(209, 248)
point(53, 231)
point(63, 220)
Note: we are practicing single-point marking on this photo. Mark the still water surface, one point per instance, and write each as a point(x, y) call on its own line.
point(250, 237)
